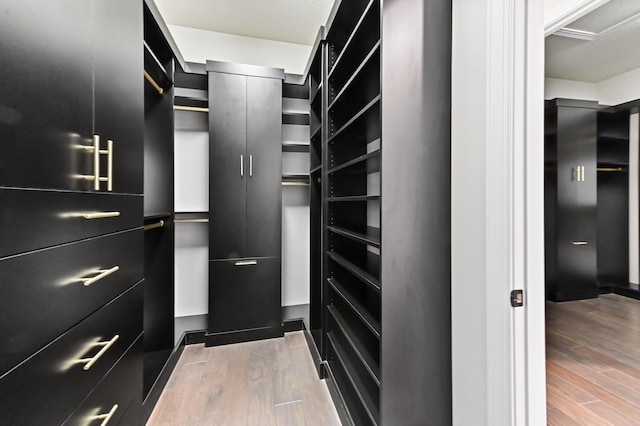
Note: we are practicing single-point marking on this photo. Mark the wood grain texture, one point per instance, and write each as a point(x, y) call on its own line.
point(593, 361)
point(268, 382)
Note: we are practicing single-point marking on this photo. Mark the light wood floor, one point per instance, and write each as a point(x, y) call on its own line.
point(268, 382)
point(593, 362)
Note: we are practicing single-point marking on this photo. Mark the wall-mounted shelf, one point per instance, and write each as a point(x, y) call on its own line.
point(295, 147)
point(296, 118)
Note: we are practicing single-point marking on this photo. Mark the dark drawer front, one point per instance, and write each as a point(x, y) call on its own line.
point(47, 387)
point(244, 293)
point(118, 396)
point(31, 220)
point(43, 294)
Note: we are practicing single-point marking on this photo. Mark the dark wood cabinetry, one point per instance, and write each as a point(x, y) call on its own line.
point(380, 158)
point(571, 199)
point(70, 186)
point(245, 116)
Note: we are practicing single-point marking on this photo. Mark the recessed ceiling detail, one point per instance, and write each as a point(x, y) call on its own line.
point(598, 46)
point(291, 21)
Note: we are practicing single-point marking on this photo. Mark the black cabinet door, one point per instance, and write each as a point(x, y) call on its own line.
point(264, 140)
point(46, 85)
point(228, 165)
point(244, 294)
point(119, 108)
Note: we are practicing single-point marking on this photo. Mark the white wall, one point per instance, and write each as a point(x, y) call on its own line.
point(619, 89)
point(558, 88)
point(200, 45)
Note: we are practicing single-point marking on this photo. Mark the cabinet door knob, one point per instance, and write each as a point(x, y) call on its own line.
point(106, 417)
point(89, 362)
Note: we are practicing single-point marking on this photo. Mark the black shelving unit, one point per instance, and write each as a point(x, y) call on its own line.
point(612, 209)
point(380, 242)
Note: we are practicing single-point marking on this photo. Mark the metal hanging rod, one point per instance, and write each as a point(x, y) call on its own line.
point(610, 169)
point(191, 221)
point(155, 85)
point(190, 108)
point(159, 224)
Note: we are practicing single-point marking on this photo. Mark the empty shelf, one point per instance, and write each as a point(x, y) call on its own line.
point(295, 147)
point(367, 319)
point(370, 237)
point(360, 273)
point(369, 162)
point(354, 198)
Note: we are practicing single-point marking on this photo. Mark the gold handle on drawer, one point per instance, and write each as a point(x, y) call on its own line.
point(246, 263)
point(106, 417)
point(103, 273)
point(99, 215)
point(105, 347)
point(109, 165)
point(96, 162)
point(579, 243)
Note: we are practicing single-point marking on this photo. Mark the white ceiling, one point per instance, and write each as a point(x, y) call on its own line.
point(292, 21)
point(613, 53)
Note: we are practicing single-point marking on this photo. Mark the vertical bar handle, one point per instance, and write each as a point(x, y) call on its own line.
point(89, 362)
point(241, 165)
point(106, 417)
point(96, 162)
point(109, 165)
point(250, 165)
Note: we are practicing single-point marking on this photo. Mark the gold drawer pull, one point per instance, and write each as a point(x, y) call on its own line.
point(106, 417)
point(579, 243)
point(99, 215)
point(246, 263)
point(103, 273)
point(105, 347)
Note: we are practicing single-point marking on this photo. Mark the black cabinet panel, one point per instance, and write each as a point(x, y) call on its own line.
point(44, 293)
point(46, 85)
point(31, 220)
point(118, 92)
point(264, 193)
point(47, 387)
point(120, 391)
point(244, 294)
point(228, 165)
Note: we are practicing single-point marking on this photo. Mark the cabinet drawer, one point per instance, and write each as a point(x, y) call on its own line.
point(244, 294)
point(31, 220)
point(48, 386)
point(120, 393)
point(43, 294)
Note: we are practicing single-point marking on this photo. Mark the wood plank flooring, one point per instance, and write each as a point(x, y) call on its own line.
point(593, 362)
point(268, 382)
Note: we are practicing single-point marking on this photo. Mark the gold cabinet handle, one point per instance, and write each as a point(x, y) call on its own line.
point(89, 362)
point(109, 165)
point(99, 215)
point(96, 162)
point(579, 243)
point(106, 417)
point(246, 263)
point(103, 273)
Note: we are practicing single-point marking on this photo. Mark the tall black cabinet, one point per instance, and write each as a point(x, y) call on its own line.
point(71, 196)
point(571, 199)
point(245, 114)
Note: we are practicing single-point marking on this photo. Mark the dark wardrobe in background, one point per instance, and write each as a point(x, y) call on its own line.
point(587, 199)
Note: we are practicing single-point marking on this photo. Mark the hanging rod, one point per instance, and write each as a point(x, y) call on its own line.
point(610, 169)
point(159, 224)
point(190, 108)
point(191, 221)
point(155, 85)
point(295, 184)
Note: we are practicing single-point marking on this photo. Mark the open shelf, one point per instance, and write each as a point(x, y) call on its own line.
point(295, 147)
point(155, 73)
point(354, 340)
point(352, 198)
point(337, 88)
point(370, 237)
point(354, 374)
point(344, 25)
point(364, 122)
point(316, 169)
point(369, 163)
point(360, 92)
point(357, 271)
point(295, 178)
point(298, 118)
point(357, 308)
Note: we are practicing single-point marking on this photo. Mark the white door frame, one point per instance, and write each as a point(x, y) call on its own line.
point(498, 212)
